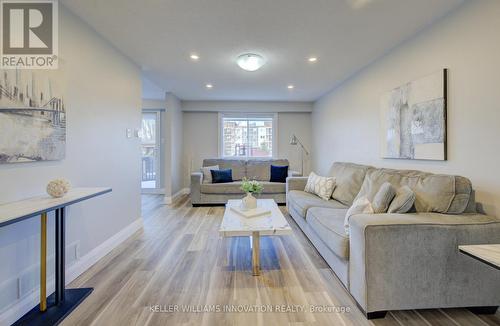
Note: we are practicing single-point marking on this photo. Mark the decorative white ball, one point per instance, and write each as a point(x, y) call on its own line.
point(58, 188)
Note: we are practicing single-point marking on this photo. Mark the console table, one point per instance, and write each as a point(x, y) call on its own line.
point(53, 309)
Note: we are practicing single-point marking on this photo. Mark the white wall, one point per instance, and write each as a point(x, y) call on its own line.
point(103, 98)
point(149, 104)
point(346, 121)
point(173, 147)
point(200, 124)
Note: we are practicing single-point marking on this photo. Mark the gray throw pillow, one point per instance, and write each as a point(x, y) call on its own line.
point(207, 175)
point(383, 198)
point(403, 202)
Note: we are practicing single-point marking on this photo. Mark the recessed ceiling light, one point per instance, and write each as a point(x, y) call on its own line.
point(194, 57)
point(312, 59)
point(209, 86)
point(290, 87)
point(250, 61)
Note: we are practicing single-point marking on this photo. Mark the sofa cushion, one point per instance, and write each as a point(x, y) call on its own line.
point(376, 177)
point(234, 188)
point(329, 226)
point(237, 166)
point(349, 178)
point(302, 201)
point(260, 169)
point(434, 192)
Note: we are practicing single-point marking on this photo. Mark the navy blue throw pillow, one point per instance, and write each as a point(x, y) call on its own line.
point(221, 176)
point(279, 173)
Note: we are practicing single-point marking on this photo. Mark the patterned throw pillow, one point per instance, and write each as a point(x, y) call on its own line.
point(383, 198)
point(207, 175)
point(320, 186)
point(403, 202)
point(360, 206)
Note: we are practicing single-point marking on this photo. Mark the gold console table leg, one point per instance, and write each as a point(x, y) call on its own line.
point(43, 262)
point(255, 254)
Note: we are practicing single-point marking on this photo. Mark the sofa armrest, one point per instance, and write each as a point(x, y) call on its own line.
point(196, 181)
point(295, 183)
point(292, 173)
point(411, 261)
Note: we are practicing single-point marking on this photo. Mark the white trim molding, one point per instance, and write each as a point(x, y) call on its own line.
point(170, 199)
point(153, 191)
point(25, 304)
point(246, 106)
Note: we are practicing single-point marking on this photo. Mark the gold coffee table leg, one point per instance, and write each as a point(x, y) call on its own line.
point(43, 262)
point(255, 254)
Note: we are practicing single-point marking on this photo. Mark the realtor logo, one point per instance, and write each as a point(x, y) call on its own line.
point(29, 34)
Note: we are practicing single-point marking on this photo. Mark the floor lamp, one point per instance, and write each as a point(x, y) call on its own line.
point(295, 141)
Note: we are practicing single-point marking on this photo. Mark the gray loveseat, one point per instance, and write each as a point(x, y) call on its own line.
point(402, 261)
point(203, 193)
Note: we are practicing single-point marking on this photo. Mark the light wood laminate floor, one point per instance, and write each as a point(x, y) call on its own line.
point(180, 259)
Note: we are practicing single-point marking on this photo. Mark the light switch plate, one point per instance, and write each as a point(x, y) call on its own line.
point(129, 133)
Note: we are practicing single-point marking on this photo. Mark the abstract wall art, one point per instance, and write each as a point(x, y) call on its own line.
point(32, 117)
point(413, 119)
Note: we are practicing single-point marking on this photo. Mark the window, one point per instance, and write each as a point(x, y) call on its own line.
point(247, 135)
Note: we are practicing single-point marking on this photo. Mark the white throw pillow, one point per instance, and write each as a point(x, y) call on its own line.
point(360, 206)
point(320, 186)
point(207, 175)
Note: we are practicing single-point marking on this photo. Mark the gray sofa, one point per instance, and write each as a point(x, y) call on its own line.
point(401, 261)
point(203, 193)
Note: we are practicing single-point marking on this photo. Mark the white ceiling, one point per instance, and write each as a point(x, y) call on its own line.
point(345, 35)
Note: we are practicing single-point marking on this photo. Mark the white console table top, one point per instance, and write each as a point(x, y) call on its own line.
point(488, 253)
point(26, 208)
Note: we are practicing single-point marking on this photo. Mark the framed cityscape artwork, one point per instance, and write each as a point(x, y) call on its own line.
point(32, 117)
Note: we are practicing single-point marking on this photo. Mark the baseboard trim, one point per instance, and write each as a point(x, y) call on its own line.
point(170, 199)
point(25, 304)
point(146, 191)
point(93, 256)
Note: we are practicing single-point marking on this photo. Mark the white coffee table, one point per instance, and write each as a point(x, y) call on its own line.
point(235, 225)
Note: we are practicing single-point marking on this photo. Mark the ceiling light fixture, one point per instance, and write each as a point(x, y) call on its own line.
point(194, 57)
point(312, 59)
point(209, 86)
point(290, 87)
point(250, 61)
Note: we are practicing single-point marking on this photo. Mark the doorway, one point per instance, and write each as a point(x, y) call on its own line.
point(151, 151)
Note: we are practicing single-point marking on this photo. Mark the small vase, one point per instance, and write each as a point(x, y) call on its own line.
point(249, 201)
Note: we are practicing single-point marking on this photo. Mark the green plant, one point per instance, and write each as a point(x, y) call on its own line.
point(251, 186)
